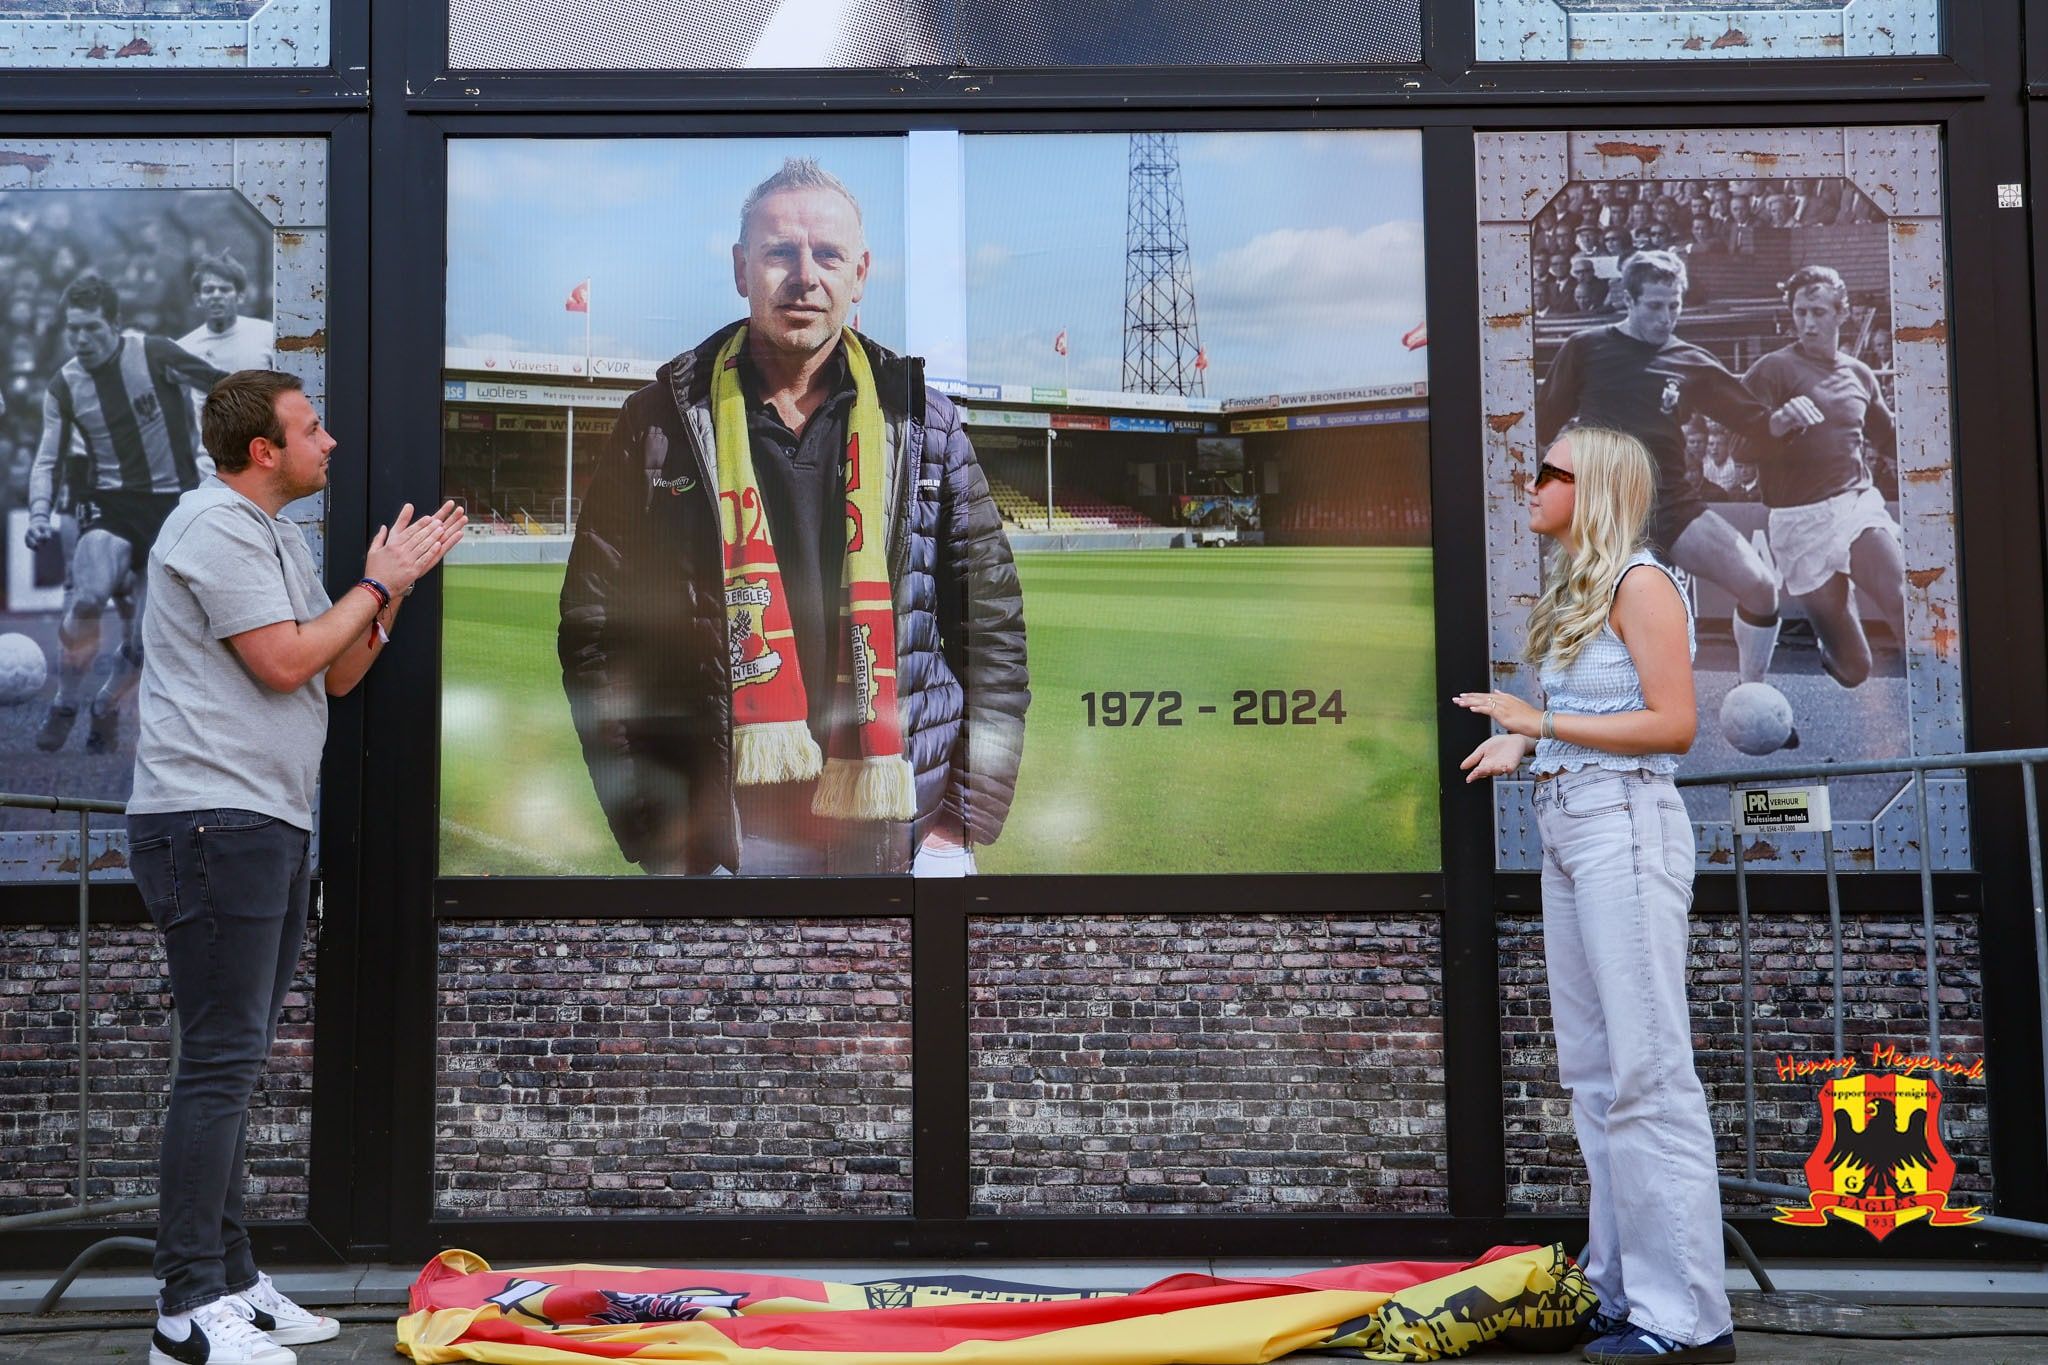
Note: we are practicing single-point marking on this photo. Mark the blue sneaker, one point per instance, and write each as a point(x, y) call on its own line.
point(1601, 1324)
point(1633, 1345)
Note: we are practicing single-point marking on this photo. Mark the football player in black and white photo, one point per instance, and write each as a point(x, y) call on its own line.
point(1638, 376)
point(228, 339)
point(1829, 528)
point(117, 420)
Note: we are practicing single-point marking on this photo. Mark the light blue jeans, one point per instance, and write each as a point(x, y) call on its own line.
point(1617, 887)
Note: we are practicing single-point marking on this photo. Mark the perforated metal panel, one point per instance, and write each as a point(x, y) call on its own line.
point(558, 35)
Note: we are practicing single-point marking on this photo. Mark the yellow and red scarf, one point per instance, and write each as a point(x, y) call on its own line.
point(866, 776)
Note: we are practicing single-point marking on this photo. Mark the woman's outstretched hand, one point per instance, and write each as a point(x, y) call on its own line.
point(1505, 709)
point(1497, 757)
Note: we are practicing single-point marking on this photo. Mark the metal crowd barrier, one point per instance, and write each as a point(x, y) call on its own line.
point(2025, 760)
point(83, 1210)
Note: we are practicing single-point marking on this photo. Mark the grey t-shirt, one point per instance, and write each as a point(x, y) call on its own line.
point(212, 735)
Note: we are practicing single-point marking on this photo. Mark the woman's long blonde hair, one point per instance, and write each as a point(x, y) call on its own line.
point(1614, 481)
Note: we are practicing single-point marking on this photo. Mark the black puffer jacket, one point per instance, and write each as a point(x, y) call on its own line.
point(643, 632)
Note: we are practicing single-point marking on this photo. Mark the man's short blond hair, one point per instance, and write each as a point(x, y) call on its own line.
point(797, 173)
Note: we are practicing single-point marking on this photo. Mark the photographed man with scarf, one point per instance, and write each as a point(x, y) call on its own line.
point(792, 635)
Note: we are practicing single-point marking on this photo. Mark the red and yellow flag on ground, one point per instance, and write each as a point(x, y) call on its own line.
point(1532, 1297)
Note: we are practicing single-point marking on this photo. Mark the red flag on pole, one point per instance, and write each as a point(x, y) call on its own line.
point(1059, 343)
point(579, 299)
point(1201, 360)
point(1416, 337)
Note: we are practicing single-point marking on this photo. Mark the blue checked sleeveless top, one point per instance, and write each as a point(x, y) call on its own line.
point(1600, 681)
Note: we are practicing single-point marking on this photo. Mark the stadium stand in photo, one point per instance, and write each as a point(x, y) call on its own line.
point(1367, 486)
point(1071, 511)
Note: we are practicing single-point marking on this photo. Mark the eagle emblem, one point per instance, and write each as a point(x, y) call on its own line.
point(676, 1305)
point(1880, 1162)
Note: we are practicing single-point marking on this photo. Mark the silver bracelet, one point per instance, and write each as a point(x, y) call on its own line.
point(1549, 726)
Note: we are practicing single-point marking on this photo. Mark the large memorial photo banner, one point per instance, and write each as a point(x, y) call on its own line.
point(1766, 310)
point(1152, 591)
point(133, 274)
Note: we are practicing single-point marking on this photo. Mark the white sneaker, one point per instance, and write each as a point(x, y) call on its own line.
point(220, 1334)
point(283, 1321)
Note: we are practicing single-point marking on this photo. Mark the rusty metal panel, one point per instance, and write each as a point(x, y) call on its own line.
point(134, 163)
point(284, 181)
point(1515, 841)
point(1508, 435)
point(1891, 28)
point(1649, 34)
point(1899, 168)
point(1920, 346)
point(1720, 153)
point(289, 33)
point(1684, 30)
point(1948, 827)
point(1520, 31)
point(1877, 191)
point(1513, 182)
point(171, 35)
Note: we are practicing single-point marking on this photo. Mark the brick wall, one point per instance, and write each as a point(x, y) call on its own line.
point(1884, 1000)
point(130, 1074)
point(1119, 1064)
point(713, 1066)
point(1176, 1064)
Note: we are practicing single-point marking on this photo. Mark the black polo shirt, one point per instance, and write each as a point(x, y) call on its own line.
point(803, 491)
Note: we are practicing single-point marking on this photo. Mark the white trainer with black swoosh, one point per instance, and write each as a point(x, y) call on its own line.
point(220, 1333)
point(283, 1321)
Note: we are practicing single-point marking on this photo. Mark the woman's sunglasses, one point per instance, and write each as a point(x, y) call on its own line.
point(1547, 471)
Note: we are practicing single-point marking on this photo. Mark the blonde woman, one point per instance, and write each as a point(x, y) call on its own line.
point(1611, 638)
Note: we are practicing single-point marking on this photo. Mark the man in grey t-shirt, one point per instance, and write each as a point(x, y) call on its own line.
point(241, 649)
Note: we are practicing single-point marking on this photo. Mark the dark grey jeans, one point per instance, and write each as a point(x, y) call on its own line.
point(229, 890)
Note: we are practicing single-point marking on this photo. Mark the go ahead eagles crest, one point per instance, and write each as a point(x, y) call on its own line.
point(1880, 1161)
point(753, 659)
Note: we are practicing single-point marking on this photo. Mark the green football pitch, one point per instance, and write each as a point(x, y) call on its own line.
point(1291, 789)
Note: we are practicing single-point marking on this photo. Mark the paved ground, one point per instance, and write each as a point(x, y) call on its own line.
point(373, 1342)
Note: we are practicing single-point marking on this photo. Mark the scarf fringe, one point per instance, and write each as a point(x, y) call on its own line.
point(878, 787)
point(775, 751)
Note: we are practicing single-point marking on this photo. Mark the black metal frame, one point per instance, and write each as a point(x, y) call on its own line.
point(375, 1060)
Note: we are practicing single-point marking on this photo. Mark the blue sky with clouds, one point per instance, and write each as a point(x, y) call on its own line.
point(651, 222)
point(1306, 249)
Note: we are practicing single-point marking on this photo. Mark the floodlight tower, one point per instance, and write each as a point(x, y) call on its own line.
point(1162, 345)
